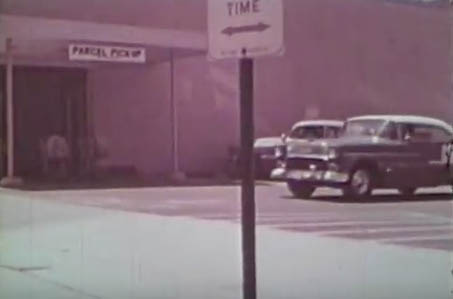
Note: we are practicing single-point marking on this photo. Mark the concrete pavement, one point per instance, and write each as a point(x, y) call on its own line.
point(50, 249)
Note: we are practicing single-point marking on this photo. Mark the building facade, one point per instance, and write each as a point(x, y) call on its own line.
point(179, 111)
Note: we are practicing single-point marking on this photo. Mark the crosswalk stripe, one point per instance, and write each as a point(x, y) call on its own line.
point(433, 229)
point(437, 237)
point(392, 230)
point(348, 223)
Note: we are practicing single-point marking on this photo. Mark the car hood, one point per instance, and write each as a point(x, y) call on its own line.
point(321, 146)
point(345, 141)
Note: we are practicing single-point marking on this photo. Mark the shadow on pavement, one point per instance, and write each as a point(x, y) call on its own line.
point(379, 198)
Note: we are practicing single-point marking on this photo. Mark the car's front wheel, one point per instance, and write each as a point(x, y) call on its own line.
point(360, 185)
point(300, 190)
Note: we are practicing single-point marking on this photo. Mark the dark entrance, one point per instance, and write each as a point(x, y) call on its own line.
point(46, 101)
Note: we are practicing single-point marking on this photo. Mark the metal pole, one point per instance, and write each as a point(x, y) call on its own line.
point(450, 94)
point(9, 109)
point(174, 116)
point(248, 184)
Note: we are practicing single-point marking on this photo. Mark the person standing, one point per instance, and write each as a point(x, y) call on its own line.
point(58, 156)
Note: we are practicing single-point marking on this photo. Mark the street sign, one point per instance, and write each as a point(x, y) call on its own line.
point(245, 28)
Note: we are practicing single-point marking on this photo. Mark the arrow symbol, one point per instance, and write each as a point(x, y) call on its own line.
point(260, 27)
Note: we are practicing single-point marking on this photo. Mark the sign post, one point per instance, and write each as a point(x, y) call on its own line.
point(244, 29)
point(248, 177)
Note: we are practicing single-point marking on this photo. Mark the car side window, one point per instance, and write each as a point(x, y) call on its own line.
point(416, 133)
point(390, 131)
point(439, 135)
point(425, 134)
point(332, 132)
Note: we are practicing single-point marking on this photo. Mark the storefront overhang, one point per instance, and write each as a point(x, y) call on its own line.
point(43, 41)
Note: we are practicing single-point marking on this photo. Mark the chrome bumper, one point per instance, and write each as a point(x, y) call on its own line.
point(310, 175)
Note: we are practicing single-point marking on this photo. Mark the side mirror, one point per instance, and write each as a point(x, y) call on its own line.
point(407, 137)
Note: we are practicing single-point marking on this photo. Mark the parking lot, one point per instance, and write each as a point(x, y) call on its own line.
point(161, 242)
point(422, 221)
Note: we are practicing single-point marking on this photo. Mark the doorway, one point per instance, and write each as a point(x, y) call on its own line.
point(47, 101)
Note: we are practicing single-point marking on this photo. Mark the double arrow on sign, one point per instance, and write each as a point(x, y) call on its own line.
point(260, 27)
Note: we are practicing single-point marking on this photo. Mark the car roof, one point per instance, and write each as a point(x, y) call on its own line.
point(319, 122)
point(411, 119)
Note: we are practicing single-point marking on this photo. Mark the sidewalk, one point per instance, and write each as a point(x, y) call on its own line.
point(54, 250)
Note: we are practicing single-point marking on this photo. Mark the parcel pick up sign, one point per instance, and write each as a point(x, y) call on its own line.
point(84, 52)
point(245, 28)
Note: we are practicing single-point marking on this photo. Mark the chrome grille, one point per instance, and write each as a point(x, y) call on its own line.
point(304, 164)
point(307, 149)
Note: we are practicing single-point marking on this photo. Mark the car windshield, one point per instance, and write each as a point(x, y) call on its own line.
point(307, 132)
point(365, 127)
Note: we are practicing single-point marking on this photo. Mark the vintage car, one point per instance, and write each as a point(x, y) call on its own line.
point(375, 151)
point(268, 151)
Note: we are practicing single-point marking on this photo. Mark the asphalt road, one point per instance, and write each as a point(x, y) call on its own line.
point(423, 221)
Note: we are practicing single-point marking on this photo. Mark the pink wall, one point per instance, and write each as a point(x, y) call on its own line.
point(342, 58)
point(207, 95)
point(355, 57)
point(132, 116)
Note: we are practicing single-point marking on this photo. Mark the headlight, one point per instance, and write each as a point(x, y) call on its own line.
point(332, 154)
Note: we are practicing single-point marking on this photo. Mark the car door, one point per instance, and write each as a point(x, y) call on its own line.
point(448, 154)
point(395, 156)
point(427, 143)
point(441, 142)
